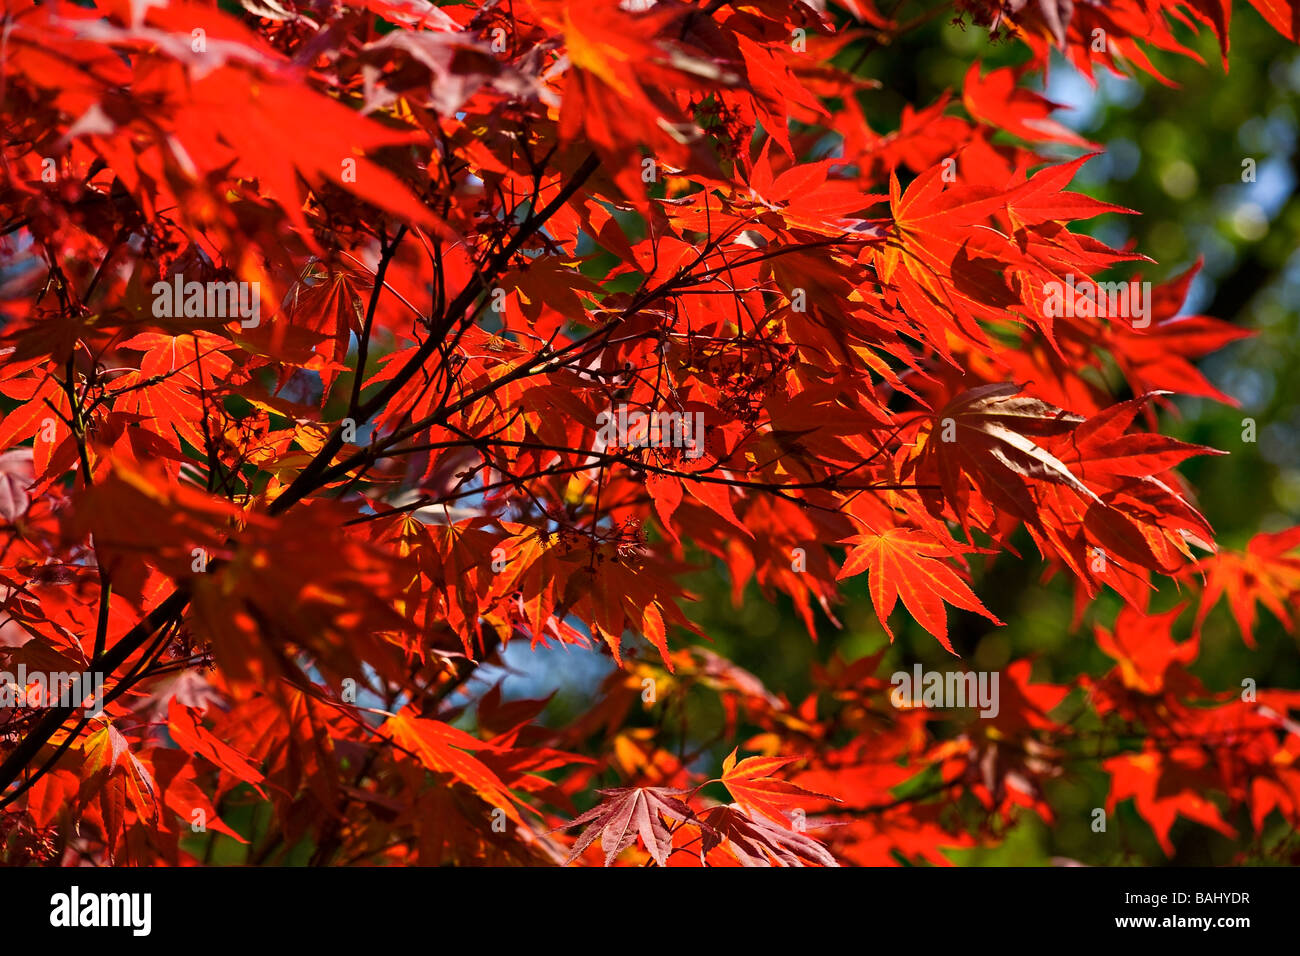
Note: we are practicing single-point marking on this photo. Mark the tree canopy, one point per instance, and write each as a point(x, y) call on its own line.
point(791, 358)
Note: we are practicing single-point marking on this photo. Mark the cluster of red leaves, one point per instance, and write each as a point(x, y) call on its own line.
point(471, 230)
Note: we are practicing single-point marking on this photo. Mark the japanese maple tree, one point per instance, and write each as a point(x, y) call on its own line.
point(346, 344)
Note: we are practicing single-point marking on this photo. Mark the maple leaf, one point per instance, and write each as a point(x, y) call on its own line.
point(1267, 572)
point(1280, 14)
point(111, 771)
point(630, 812)
point(756, 842)
point(187, 731)
point(444, 749)
point(1148, 659)
point(911, 564)
point(983, 434)
point(996, 99)
point(1160, 357)
point(1164, 786)
point(751, 782)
